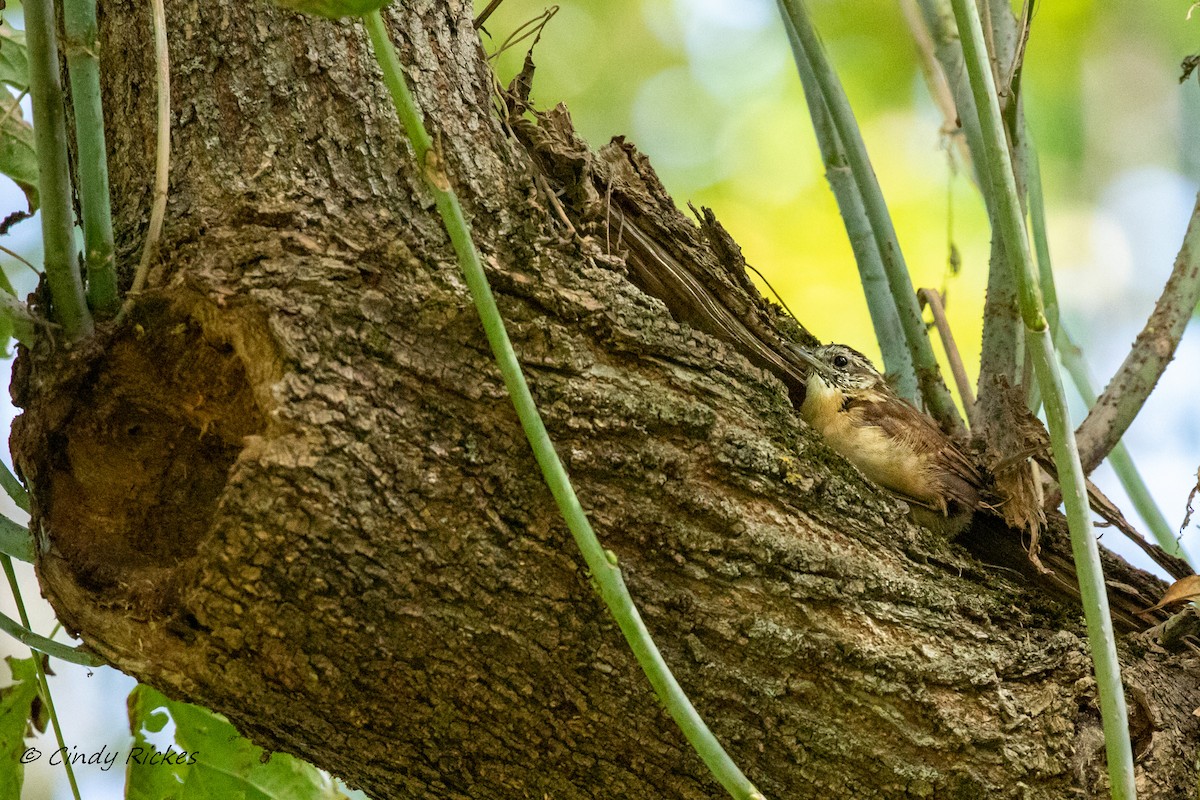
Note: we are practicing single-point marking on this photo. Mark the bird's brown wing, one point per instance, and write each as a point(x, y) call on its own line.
point(916, 432)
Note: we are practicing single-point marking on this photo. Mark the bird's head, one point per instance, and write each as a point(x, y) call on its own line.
point(842, 367)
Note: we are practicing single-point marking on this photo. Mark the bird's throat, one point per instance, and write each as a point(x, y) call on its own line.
point(822, 404)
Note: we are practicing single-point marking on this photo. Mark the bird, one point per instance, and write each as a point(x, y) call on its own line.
point(889, 440)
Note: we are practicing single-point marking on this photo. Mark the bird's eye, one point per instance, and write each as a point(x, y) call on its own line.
point(840, 361)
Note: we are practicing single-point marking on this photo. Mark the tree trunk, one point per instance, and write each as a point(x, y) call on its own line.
point(291, 486)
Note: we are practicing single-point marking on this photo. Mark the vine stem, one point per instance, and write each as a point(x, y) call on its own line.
point(54, 181)
point(937, 30)
point(602, 563)
point(162, 153)
point(82, 47)
point(42, 644)
point(929, 378)
point(1074, 363)
point(998, 168)
point(881, 305)
point(44, 684)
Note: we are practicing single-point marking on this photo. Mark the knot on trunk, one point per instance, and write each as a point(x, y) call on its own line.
point(129, 440)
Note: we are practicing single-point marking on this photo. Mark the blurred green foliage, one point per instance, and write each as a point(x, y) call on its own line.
point(708, 90)
point(19, 706)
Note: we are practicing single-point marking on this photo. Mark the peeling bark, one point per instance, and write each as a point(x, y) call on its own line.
point(291, 487)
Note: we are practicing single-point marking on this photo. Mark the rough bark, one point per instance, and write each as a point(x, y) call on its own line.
point(291, 486)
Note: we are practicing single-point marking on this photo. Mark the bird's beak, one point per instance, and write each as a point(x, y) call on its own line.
point(811, 361)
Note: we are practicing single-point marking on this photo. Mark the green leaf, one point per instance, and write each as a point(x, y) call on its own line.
point(16, 710)
point(6, 334)
point(142, 781)
point(333, 9)
point(209, 759)
point(14, 58)
point(18, 160)
point(6, 285)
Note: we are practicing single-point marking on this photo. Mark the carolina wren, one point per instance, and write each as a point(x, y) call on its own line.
point(896, 446)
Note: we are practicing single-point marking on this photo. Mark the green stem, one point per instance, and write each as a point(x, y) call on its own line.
point(1041, 248)
point(999, 350)
point(933, 388)
point(1154, 348)
point(54, 182)
point(16, 541)
point(602, 563)
point(13, 488)
point(939, 19)
point(1071, 477)
point(11, 575)
point(897, 361)
point(82, 46)
point(1003, 348)
point(1076, 367)
point(1041, 241)
point(1122, 463)
point(1086, 554)
point(41, 644)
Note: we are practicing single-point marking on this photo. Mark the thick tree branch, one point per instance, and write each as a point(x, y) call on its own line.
point(292, 488)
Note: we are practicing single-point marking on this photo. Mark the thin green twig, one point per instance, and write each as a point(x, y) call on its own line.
point(82, 47)
point(17, 256)
point(938, 85)
point(897, 361)
point(11, 575)
point(999, 168)
point(602, 563)
point(54, 182)
point(1041, 249)
point(933, 389)
point(1041, 242)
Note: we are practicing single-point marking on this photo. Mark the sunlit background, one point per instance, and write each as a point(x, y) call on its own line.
point(707, 89)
